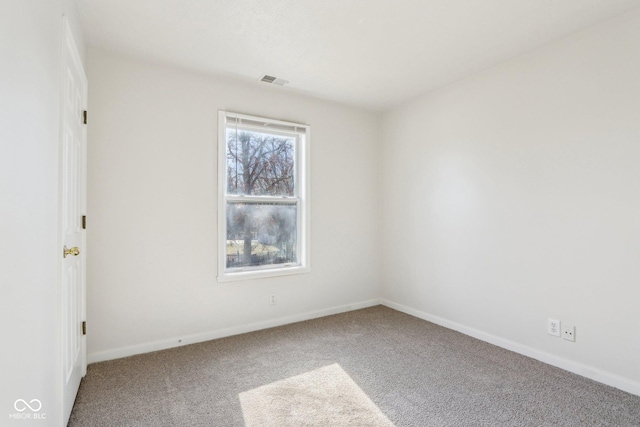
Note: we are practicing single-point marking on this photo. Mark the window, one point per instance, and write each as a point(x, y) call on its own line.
point(263, 181)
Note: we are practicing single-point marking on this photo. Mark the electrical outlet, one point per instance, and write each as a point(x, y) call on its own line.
point(553, 327)
point(569, 332)
point(272, 299)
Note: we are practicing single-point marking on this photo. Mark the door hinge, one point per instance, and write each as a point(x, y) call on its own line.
point(84, 117)
point(84, 222)
point(84, 328)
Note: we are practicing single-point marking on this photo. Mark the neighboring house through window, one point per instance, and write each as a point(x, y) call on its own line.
point(263, 211)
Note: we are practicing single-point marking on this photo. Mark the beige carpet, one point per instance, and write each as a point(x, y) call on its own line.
point(418, 374)
point(323, 397)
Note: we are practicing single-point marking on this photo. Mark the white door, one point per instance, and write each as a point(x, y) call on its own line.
point(72, 209)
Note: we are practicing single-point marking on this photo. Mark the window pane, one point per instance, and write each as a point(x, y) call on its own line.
point(261, 234)
point(260, 164)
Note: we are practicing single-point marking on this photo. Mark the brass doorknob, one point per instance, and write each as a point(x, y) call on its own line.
point(73, 251)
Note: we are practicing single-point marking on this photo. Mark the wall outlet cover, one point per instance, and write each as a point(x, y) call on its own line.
point(569, 332)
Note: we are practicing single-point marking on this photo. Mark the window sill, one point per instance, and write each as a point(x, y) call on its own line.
point(261, 274)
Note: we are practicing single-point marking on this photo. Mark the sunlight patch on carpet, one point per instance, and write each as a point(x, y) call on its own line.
point(324, 397)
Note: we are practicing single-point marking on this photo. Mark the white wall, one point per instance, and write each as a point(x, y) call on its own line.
point(30, 49)
point(513, 196)
point(152, 234)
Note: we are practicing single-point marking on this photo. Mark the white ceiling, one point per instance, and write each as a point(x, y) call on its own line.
point(370, 53)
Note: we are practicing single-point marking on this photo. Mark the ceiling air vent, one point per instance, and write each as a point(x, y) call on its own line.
point(274, 80)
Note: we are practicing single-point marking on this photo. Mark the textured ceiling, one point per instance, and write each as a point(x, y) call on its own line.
point(369, 53)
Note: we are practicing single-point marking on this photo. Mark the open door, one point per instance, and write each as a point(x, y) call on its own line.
point(73, 151)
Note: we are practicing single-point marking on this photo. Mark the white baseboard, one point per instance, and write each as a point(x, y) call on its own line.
point(118, 353)
point(590, 372)
point(577, 368)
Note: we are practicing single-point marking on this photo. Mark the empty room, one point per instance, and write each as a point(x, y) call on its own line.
point(320, 213)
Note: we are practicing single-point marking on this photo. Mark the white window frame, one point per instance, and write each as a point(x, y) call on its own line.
point(302, 184)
